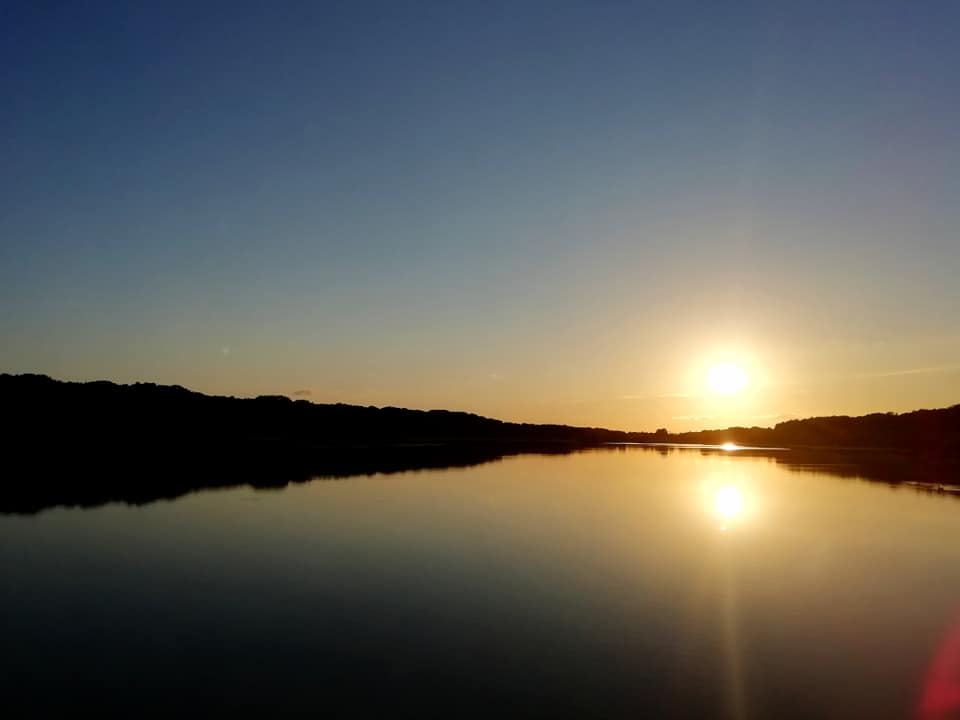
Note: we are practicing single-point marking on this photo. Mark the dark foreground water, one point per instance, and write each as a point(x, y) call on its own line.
point(608, 584)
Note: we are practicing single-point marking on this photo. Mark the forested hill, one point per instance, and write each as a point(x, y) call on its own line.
point(66, 443)
point(36, 408)
point(40, 411)
point(933, 431)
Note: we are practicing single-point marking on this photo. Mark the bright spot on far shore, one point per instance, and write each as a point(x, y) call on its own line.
point(729, 446)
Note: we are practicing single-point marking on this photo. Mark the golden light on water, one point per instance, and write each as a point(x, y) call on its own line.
point(727, 378)
point(728, 446)
point(731, 500)
point(728, 502)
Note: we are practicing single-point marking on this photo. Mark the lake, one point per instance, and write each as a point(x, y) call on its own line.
point(611, 583)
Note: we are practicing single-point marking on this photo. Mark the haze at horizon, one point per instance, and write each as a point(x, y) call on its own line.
point(554, 212)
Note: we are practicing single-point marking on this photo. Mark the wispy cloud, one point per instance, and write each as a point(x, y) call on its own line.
point(302, 393)
point(661, 396)
point(772, 416)
point(913, 371)
point(765, 416)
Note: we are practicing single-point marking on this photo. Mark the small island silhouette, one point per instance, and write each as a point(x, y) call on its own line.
point(85, 444)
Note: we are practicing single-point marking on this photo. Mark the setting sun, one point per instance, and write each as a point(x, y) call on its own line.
point(727, 378)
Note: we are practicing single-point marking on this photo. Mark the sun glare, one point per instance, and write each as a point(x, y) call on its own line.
point(728, 502)
point(727, 378)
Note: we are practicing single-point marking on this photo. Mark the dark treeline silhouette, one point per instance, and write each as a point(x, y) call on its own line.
point(932, 432)
point(68, 443)
point(86, 444)
point(104, 414)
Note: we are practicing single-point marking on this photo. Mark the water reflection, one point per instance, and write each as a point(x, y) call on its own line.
point(728, 502)
point(94, 480)
point(610, 583)
point(728, 495)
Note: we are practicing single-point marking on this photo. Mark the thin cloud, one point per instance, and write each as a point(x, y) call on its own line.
point(913, 371)
point(303, 393)
point(662, 396)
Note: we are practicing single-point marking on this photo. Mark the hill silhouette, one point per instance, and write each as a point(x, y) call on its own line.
point(70, 443)
point(84, 444)
point(932, 432)
point(36, 406)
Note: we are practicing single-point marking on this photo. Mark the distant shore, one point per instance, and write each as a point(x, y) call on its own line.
point(69, 443)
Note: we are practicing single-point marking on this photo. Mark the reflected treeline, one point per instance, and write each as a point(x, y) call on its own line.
point(923, 473)
point(91, 479)
point(138, 477)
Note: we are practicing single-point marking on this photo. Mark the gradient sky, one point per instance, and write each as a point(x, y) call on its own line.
point(541, 211)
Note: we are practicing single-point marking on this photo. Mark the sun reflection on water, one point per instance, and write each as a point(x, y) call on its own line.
point(729, 496)
point(728, 503)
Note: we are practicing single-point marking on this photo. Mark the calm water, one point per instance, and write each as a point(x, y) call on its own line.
point(612, 583)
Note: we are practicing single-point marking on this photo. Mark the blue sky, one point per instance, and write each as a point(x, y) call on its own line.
point(530, 210)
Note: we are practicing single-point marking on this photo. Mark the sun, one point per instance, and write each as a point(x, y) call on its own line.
point(727, 378)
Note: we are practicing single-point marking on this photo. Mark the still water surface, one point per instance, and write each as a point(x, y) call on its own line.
point(612, 583)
